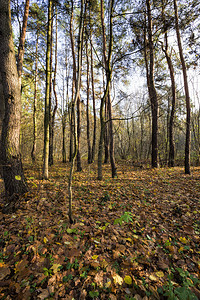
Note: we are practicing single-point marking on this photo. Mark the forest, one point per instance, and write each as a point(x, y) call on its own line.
point(100, 149)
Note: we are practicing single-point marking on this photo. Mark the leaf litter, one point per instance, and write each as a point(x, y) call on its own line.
point(135, 236)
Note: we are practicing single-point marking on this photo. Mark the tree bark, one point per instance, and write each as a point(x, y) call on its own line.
point(13, 175)
point(112, 154)
point(33, 152)
point(74, 104)
point(93, 96)
point(50, 97)
point(51, 154)
point(173, 89)
point(47, 92)
point(87, 107)
point(187, 96)
point(22, 41)
point(152, 91)
point(71, 146)
point(108, 68)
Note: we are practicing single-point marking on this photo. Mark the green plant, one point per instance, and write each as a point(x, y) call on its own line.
point(93, 294)
point(67, 278)
point(126, 217)
point(47, 272)
point(183, 291)
point(74, 265)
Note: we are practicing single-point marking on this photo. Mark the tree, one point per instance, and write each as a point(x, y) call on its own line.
point(165, 49)
point(187, 96)
point(87, 106)
point(53, 109)
point(47, 93)
point(152, 90)
point(106, 95)
point(33, 152)
point(13, 175)
point(74, 105)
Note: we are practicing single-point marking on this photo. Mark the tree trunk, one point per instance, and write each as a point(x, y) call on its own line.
point(47, 92)
point(55, 96)
point(173, 89)
point(13, 175)
point(112, 154)
point(107, 64)
point(79, 167)
point(71, 145)
point(74, 103)
point(33, 152)
point(106, 135)
point(172, 115)
point(87, 108)
point(2, 106)
point(187, 96)
point(152, 91)
point(93, 99)
point(22, 41)
point(50, 98)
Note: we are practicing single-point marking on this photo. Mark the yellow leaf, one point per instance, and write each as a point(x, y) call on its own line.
point(128, 280)
point(18, 177)
point(45, 240)
point(153, 277)
point(183, 240)
point(55, 268)
point(180, 249)
point(108, 283)
point(117, 279)
point(95, 256)
point(160, 274)
point(130, 240)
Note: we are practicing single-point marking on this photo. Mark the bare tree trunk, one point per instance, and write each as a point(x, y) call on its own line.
point(112, 154)
point(173, 89)
point(2, 106)
point(93, 99)
point(172, 115)
point(74, 103)
point(107, 64)
point(78, 158)
point(33, 152)
point(87, 108)
point(20, 56)
point(47, 92)
point(13, 175)
point(106, 135)
point(55, 95)
point(50, 97)
point(65, 106)
point(71, 146)
point(152, 91)
point(187, 96)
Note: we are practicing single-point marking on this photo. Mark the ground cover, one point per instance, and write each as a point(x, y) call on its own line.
point(135, 237)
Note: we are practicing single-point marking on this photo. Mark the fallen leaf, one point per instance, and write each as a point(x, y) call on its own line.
point(117, 279)
point(160, 274)
point(55, 268)
point(128, 280)
point(4, 271)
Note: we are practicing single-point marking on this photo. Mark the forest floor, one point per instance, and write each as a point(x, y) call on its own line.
point(135, 237)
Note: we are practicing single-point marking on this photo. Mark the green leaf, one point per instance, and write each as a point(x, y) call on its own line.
point(94, 294)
